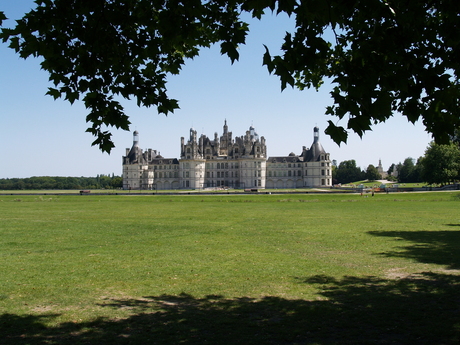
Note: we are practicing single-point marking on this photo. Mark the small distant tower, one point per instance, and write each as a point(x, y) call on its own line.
point(315, 134)
point(136, 138)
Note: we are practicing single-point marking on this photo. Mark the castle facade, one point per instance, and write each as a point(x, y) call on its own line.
point(226, 162)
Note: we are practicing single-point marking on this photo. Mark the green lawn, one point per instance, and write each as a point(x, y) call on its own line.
point(230, 269)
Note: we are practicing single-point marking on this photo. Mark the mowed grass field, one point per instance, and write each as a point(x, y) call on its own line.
point(230, 269)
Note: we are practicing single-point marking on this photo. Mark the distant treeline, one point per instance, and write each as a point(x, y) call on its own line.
point(57, 182)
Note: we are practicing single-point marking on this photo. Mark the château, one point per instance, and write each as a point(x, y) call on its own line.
point(226, 162)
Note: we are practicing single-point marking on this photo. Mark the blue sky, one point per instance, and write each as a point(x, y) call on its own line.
point(40, 136)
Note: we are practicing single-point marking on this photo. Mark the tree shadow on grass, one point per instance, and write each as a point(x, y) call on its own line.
point(422, 309)
point(434, 247)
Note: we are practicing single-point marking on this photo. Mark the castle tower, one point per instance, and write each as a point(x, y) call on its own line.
point(136, 138)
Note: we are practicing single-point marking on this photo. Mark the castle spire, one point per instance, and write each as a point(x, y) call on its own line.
point(135, 138)
point(315, 134)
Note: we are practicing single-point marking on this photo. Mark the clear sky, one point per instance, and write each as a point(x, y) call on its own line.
point(43, 137)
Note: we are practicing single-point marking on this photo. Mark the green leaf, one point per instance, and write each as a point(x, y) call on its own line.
point(338, 134)
point(54, 93)
point(2, 17)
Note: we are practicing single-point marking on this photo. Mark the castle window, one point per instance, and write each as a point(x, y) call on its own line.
point(188, 149)
point(218, 165)
point(322, 173)
point(289, 172)
point(299, 173)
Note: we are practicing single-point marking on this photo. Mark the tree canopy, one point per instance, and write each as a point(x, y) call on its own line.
point(347, 172)
point(383, 57)
point(59, 182)
point(372, 173)
point(441, 163)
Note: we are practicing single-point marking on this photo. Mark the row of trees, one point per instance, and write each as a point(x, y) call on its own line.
point(57, 182)
point(439, 165)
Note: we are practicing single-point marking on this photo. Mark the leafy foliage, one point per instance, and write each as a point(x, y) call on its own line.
point(441, 163)
point(372, 173)
point(347, 172)
point(382, 56)
point(409, 172)
point(58, 182)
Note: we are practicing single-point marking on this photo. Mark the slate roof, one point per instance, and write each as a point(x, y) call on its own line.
point(284, 159)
